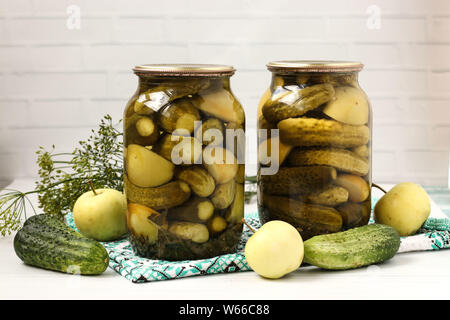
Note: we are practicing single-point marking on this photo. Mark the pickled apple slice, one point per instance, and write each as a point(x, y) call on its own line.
point(221, 104)
point(139, 223)
point(220, 163)
point(349, 106)
point(146, 168)
point(265, 151)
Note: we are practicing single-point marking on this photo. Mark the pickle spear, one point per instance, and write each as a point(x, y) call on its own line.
point(216, 224)
point(180, 114)
point(330, 196)
point(309, 219)
point(167, 196)
point(295, 103)
point(322, 132)
point(196, 209)
point(297, 180)
point(200, 181)
point(153, 99)
point(195, 232)
point(224, 194)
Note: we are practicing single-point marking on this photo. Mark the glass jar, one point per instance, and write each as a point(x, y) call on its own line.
point(314, 151)
point(184, 145)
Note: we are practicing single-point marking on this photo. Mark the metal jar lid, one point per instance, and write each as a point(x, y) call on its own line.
point(314, 66)
point(184, 70)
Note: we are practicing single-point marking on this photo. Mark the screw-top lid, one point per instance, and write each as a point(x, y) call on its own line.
point(185, 70)
point(314, 66)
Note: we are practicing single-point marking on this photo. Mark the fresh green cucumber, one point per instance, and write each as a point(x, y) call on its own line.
point(353, 248)
point(46, 242)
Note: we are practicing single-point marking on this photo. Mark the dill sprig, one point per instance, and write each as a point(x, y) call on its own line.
point(63, 176)
point(12, 207)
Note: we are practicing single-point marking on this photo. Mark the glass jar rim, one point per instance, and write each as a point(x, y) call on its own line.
point(314, 66)
point(185, 69)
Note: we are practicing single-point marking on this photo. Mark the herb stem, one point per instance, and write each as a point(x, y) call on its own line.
point(248, 226)
point(92, 187)
point(378, 187)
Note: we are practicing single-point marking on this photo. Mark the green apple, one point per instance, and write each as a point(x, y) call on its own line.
point(405, 208)
point(275, 250)
point(101, 216)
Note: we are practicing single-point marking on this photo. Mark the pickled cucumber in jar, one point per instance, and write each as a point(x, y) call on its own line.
point(322, 153)
point(183, 173)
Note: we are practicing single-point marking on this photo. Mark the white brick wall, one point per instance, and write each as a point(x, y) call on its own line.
point(56, 83)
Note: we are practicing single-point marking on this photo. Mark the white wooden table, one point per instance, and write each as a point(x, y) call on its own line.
point(418, 275)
